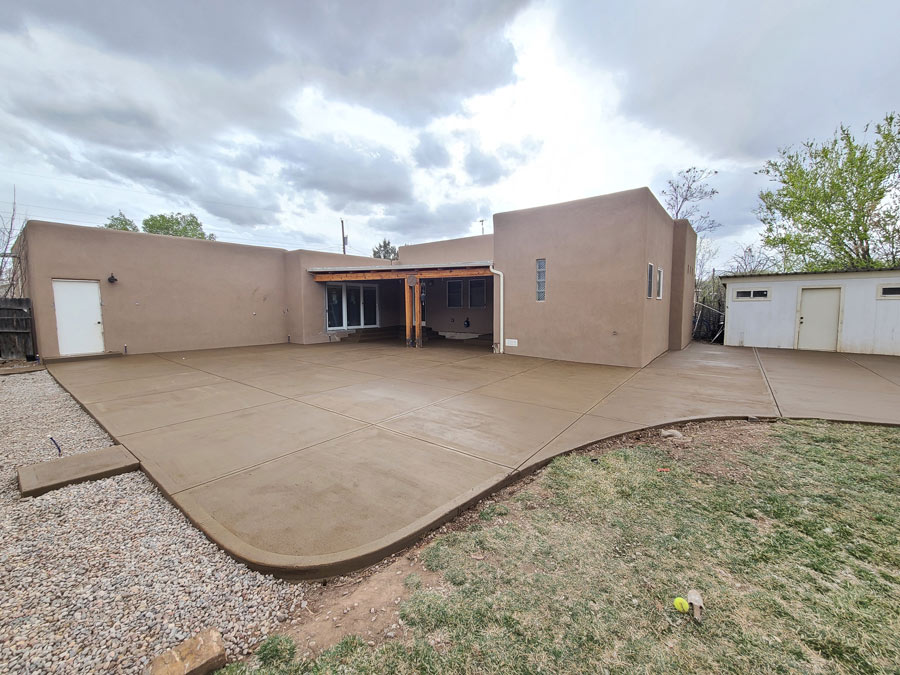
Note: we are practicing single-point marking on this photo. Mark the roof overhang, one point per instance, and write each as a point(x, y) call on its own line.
point(425, 271)
point(777, 276)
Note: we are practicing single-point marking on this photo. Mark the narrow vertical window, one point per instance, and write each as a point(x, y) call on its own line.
point(650, 280)
point(477, 294)
point(455, 293)
point(541, 279)
point(659, 284)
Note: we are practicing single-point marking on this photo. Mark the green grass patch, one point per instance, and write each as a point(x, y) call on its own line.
point(797, 561)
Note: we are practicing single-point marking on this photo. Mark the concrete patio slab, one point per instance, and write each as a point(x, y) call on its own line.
point(560, 385)
point(649, 408)
point(378, 400)
point(315, 508)
point(508, 364)
point(185, 455)
point(584, 431)
point(93, 371)
point(317, 459)
point(391, 366)
point(505, 432)
point(156, 384)
point(140, 413)
point(245, 367)
point(887, 367)
point(37, 479)
point(308, 379)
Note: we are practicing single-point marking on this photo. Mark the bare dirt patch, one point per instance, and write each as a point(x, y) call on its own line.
point(710, 448)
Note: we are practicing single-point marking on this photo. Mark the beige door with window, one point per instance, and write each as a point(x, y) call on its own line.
point(820, 313)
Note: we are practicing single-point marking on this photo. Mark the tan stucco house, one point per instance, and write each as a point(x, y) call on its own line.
point(607, 280)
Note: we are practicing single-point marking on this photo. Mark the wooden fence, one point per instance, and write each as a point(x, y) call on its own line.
point(16, 329)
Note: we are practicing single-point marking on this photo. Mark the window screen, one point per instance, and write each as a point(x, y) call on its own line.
point(752, 294)
point(541, 279)
point(477, 296)
point(650, 280)
point(659, 284)
point(454, 293)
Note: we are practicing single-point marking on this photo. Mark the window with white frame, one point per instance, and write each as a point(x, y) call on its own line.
point(477, 293)
point(455, 293)
point(659, 284)
point(351, 306)
point(751, 294)
point(541, 279)
point(649, 280)
point(891, 291)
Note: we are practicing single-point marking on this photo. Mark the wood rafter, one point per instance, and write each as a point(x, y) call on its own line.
point(449, 272)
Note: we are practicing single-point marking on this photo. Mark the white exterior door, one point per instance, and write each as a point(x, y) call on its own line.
point(79, 324)
point(820, 312)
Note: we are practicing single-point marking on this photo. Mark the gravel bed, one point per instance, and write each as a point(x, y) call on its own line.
point(102, 576)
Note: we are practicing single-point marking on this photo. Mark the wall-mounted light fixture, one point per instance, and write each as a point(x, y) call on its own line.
point(112, 278)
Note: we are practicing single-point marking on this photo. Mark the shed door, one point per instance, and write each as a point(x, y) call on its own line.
point(820, 310)
point(79, 325)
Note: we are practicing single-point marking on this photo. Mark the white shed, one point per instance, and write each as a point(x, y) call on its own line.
point(856, 312)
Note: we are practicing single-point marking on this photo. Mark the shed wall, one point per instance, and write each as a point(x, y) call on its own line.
point(869, 325)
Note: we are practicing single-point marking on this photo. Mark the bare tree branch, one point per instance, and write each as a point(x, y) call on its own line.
point(684, 194)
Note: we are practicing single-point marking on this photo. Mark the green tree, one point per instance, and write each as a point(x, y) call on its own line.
point(176, 225)
point(385, 250)
point(836, 204)
point(121, 222)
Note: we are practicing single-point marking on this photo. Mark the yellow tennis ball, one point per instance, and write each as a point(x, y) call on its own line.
point(681, 605)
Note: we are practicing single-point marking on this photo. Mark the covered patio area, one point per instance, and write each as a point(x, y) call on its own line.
point(365, 298)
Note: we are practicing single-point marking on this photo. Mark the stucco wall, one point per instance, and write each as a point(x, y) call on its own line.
point(681, 310)
point(442, 318)
point(868, 325)
point(658, 240)
point(596, 266)
point(464, 249)
point(172, 293)
point(307, 297)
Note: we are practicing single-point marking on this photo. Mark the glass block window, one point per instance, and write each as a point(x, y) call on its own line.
point(541, 279)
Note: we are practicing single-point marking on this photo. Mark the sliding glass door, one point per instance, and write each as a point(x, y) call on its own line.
point(351, 306)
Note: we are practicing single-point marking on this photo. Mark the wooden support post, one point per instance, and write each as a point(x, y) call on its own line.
point(418, 306)
point(407, 297)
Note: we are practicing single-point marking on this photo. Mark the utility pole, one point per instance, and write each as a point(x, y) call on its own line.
point(482, 226)
point(343, 237)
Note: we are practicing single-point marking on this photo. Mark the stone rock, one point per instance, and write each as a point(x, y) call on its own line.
point(670, 433)
point(198, 655)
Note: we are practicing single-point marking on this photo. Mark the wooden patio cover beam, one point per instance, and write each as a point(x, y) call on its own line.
point(403, 274)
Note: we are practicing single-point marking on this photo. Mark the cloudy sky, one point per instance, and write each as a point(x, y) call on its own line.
point(415, 120)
